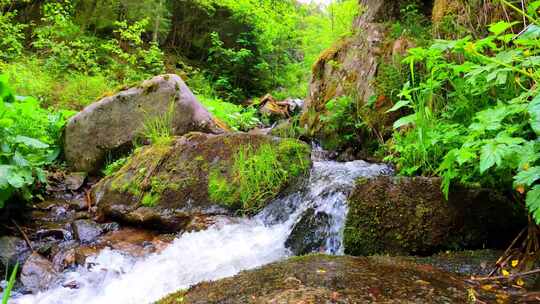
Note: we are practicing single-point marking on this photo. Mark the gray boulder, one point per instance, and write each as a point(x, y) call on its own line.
point(111, 124)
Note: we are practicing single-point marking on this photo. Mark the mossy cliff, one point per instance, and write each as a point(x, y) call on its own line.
point(166, 185)
point(401, 215)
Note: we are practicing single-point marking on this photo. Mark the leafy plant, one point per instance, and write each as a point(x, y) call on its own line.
point(474, 110)
point(235, 116)
point(29, 140)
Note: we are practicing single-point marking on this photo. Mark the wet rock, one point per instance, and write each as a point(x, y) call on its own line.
point(75, 181)
point(54, 233)
point(111, 124)
point(13, 250)
point(64, 258)
point(310, 233)
point(402, 216)
point(336, 279)
point(38, 273)
point(86, 231)
point(468, 262)
point(165, 187)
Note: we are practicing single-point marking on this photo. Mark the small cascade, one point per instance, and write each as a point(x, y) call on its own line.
point(221, 251)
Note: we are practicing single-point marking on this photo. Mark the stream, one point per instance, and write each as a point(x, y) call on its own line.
point(223, 250)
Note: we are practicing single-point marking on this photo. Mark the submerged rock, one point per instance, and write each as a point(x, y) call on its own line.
point(168, 186)
point(335, 279)
point(401, 216)
point(310, 233)
point(112, 123)
point(38, 273)
point(86, 231)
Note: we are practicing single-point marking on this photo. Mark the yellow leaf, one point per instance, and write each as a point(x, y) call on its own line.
point(505, 273)
point(520, 282)
point(422, 282)
point(526, 167)
point(321, 271)
point(515, 263)
point(520, 189)
point(487, 287)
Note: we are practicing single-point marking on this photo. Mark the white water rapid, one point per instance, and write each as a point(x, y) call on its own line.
point(220, 251)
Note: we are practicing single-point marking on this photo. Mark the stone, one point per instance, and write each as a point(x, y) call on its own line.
point(13, 250)
point(75, 181)
point(166, 187)
point(38, 273)
point(338, 279)
point(410, 215)
point(110, 125)
point(86, 231)
point(309, 234)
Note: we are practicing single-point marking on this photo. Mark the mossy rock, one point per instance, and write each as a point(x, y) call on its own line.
point(335, 279)
point(164, 186)
point(402, 216)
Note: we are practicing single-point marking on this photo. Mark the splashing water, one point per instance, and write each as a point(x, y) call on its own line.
point(221, 251)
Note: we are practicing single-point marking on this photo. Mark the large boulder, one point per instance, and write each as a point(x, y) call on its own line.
point(339, 279)
point(111, 124)
point(167, 186)
point(410, 215)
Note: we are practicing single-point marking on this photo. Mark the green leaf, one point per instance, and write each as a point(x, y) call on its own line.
point(490, 155)
point(532, 32)
point(533, 203)
point(500, 27)
point(400, 104)
point(30, 142)
point(528, 177)
point(534, 112)
point(403, 121)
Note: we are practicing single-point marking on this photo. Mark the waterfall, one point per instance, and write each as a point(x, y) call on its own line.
point(223, 250)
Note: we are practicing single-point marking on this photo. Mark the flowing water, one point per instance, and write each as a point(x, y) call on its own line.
point(221, 251)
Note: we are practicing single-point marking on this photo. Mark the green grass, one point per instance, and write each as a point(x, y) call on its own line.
point(158, 129)
point(74, 91)
point(11, 282)
point(258, 174)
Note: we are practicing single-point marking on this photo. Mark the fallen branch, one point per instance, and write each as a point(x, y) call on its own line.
point(25, 237)
point(509, 277)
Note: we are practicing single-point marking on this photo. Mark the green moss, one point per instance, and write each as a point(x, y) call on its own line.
point(258, 174)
